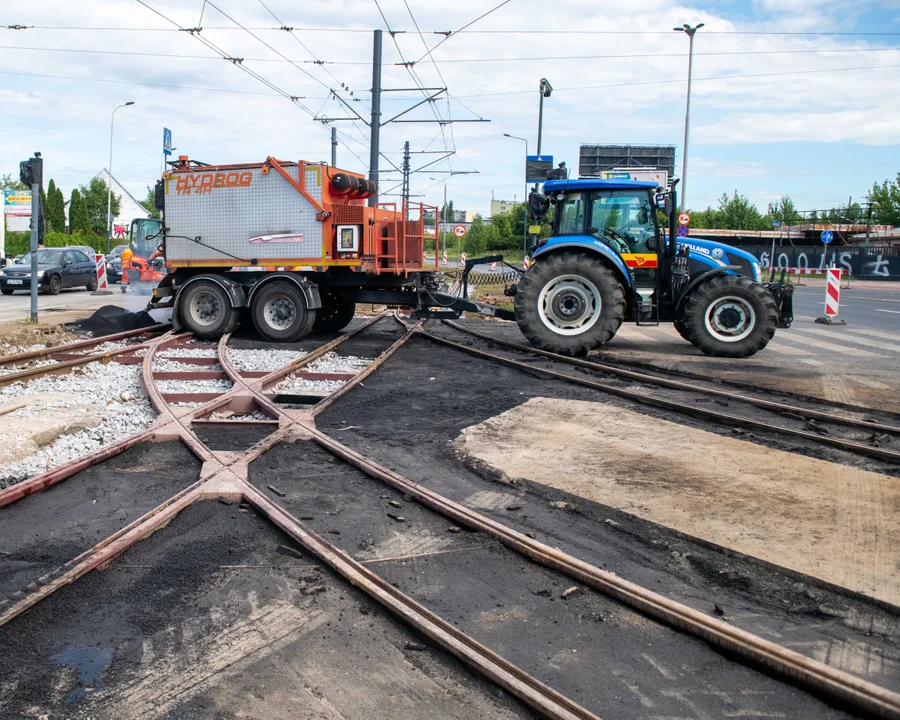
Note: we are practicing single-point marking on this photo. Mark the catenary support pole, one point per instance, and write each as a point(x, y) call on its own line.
point(35, 222)
point(690, 32)
point(375, 125)
point(334, 144)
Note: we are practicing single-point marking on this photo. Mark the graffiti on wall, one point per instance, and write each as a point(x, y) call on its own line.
point(881, 265)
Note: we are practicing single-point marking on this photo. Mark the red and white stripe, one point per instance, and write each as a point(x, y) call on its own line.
point(526, 262)
point(832, 292)
point(445, 257)
point(102, 283)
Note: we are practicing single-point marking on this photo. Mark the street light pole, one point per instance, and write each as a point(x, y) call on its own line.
point(689, 31)
point(546, 88)
point(525, 219)
point(109, 176)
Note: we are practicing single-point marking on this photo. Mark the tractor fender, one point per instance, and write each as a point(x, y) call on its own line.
point(236, 294)
point(587, 244)
point(703, 277)
point(309, 290)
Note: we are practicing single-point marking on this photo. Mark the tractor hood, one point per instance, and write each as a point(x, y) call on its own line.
point(721, 253)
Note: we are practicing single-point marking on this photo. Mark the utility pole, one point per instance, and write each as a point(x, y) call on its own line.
point(444, 213)
point(375, 124)
point(546, 88)
point(109, 219)
point(868, 223)
point(333, 146)
point(689, 31)
point(405, 191)
point(31, 173)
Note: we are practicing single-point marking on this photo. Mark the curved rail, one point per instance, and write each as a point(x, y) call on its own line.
point(643, 398)
point(680, 385)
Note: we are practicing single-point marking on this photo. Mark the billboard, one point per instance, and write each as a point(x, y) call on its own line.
point(594, 160)
point(17, 202)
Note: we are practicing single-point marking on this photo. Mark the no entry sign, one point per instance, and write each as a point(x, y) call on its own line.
point(459, 230)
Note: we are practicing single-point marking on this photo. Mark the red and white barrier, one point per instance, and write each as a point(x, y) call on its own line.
point(462, 259)
point(445, 257)
point(526, 263)
point(832, 292)
point(102, 283)
point(493, 266)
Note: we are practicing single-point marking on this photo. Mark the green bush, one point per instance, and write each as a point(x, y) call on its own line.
point(18, 243)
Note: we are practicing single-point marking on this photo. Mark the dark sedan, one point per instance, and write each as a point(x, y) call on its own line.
point(58, 268)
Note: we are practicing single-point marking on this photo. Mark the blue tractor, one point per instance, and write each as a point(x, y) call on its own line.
point(609, 261)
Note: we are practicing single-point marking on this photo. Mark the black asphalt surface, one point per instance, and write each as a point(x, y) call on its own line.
point(862, 307)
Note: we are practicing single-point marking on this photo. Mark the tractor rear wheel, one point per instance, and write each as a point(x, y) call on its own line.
point(569, 303)
point(204, 309)
point(280, 312)
point(730, 316)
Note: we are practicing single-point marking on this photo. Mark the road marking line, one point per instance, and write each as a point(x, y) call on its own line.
point(786, 349)
point(892, 347)
point(895, 312)
point(872, 333)
point(845, 349)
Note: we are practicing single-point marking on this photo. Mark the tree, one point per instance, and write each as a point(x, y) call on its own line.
point(476, 237)
point(885, 200)
point(8, 183)
point(784, 212)
point(149, 204)
point(447, 213)
point(94, 196)
point(55, 210)
point(79, 218)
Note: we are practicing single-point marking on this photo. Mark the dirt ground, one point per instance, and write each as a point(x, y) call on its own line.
point(834, 522)
point(831, 521)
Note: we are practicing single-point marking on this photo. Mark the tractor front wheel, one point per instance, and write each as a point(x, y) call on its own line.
point(730, 316)
point(569, 303)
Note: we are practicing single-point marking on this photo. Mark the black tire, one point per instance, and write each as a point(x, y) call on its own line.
point(55, 285)
point(730, 316)
point(92, 284)
point(204, 309)
point(280, 312)
point(333, 317)
point(7, 291)
point(682, 330)
point(572, 321)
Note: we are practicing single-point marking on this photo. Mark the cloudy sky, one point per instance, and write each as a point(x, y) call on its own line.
point(796, 97)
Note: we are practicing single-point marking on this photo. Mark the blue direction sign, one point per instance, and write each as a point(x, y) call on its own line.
point(167, 141)
point(827, 236)
point(537, 167)
point(776, 224)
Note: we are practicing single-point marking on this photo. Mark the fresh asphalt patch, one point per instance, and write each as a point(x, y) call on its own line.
point(43, 531)
point(433, 393)
point(605, 656)
point(221, 615)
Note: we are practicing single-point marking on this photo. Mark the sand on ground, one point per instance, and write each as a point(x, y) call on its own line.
point(834, 522)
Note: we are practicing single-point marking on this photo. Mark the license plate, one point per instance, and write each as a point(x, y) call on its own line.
point(13, 282)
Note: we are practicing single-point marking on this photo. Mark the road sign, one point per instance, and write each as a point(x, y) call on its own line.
point(534, 229)
point(167, 141)
point(682, 231)
point(684, 219)
point(775, 223)
point(537, 167)
point(459, 230)
point(827, 236)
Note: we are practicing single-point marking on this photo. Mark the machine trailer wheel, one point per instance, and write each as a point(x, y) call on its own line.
point(204, 309)
point(280, 312)
point(333, 317)
point(569, 303)
point(730, 316)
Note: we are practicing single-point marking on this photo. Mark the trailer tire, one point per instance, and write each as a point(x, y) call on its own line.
point(730, 316)
point(280, 312)
point(569, 303)
point(334, 317)
point(204, 309)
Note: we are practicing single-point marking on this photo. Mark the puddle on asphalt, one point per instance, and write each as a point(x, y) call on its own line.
point(89, 663)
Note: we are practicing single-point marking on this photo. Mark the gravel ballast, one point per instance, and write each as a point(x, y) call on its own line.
point(329, 363)
point(267, 360)
point(113, 387)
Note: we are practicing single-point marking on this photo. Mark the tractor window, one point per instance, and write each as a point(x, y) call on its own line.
point(623, 219)
point(571, 216)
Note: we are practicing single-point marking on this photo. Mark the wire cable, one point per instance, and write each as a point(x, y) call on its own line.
point(467, 25)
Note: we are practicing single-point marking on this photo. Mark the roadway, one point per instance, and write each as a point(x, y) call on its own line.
point(869, 306)
point(17, 307)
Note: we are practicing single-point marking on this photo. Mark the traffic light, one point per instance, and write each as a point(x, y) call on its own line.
point(31, 171)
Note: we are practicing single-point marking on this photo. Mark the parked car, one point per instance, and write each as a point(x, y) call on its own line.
point(58, 268)
point(114, 264)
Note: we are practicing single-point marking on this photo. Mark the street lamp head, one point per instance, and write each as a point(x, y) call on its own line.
point(506, 135)
point(546, 87)
point(130, 102)
point(678, 29)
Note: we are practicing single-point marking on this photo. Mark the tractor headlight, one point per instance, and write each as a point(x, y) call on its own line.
point(757, 271)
